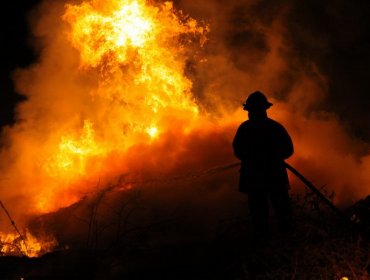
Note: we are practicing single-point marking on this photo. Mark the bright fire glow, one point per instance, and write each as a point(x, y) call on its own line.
point(137, 52)
point(72, 152)
point(12, 244)
point(152, 131)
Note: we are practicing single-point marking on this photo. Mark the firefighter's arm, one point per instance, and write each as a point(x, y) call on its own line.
point(287, 148)
point(238, 144)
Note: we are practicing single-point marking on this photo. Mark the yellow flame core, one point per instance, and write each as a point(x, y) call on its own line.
point(145, 40)
point(123, 25)
point(73, 151)
point(152, 131)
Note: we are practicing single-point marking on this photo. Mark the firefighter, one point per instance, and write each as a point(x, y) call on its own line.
point(262, 145)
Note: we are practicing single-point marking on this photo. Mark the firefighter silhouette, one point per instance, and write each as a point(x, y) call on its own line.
point(262, 145)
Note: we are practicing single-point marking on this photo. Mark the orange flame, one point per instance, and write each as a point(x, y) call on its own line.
point(137, 51)
point(14, 245)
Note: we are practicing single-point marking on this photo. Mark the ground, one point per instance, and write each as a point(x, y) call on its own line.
point(322, 247)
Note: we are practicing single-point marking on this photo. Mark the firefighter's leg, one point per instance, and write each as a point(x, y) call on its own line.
point(281, 203)
point(259, 211)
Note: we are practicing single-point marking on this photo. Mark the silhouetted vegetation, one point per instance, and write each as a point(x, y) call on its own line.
point(121, 242)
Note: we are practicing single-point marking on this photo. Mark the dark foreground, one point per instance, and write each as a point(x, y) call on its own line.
point(322, 247)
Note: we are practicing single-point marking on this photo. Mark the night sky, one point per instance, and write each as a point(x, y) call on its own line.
point(16, 51)
point(333, 34)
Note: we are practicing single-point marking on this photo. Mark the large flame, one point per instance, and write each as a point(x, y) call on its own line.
point(134, 54)
point(137, 52)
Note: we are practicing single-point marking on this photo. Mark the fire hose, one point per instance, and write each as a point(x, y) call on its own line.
point(343, 216)
point(308, 184)
point(321, 196)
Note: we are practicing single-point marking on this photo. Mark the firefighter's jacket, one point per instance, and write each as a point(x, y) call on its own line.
point(262, 145)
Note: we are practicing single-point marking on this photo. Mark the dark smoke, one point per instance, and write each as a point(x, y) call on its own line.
point(331, 37)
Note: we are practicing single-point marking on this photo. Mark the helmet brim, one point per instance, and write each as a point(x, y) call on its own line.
point(263, 106)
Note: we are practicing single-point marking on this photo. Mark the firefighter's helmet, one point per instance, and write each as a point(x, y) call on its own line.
point(256, 100)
